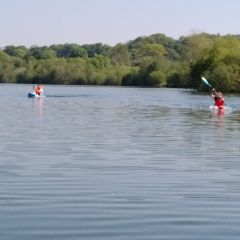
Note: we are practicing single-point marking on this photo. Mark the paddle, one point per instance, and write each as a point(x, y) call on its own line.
point(33, 82)
point(209, 85)
point(206, 82)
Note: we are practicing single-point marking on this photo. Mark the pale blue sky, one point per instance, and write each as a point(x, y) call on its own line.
point(46, 22)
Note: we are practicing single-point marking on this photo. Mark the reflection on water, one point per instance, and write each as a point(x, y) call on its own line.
point(117, 163)
point(37, 106)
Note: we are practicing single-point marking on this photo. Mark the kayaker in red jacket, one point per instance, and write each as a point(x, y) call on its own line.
point(218, 98)
point(38, 90)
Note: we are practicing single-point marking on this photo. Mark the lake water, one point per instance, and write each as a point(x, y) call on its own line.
point(106, 163)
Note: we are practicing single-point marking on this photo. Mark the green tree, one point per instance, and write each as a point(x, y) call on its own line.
point(40, 53)
point(72, 51)
point(7, 68)
point(220, 64)
point(97, 49)
point(120, 55)
point(19, 51)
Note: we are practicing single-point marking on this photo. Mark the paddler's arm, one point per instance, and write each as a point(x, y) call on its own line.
point(215, 93)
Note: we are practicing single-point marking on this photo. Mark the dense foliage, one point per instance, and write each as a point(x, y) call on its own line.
point(155, 60)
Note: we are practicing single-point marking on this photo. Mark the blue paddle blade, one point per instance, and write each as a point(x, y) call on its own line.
point(206, 82)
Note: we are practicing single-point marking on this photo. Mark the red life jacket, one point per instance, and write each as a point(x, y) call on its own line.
point(219, 102)
point(38, 90)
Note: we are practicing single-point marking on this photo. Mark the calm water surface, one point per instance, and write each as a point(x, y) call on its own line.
point(105, 163)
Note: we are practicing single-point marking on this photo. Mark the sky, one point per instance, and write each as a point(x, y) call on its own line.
point(45, 22)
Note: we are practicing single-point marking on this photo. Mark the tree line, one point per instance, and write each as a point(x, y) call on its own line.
point(150, 61)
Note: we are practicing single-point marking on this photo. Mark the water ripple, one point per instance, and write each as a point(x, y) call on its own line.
point(117, 163)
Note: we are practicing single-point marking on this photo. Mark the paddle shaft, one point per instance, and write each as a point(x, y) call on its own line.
point(209, 85)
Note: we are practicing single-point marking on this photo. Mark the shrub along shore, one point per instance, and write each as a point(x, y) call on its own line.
point(150, 61)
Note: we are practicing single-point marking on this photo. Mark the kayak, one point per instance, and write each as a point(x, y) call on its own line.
point(34, 95)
